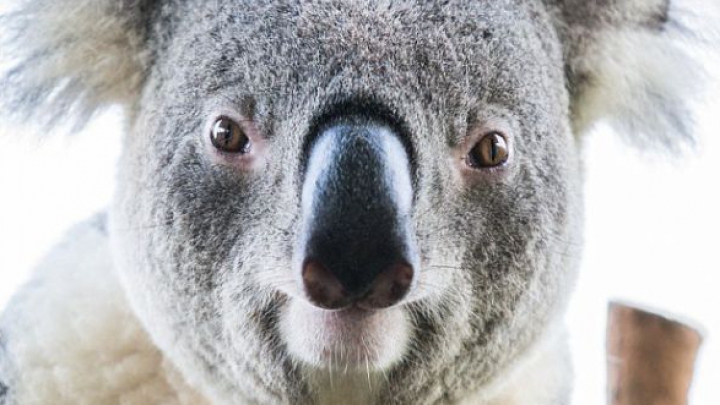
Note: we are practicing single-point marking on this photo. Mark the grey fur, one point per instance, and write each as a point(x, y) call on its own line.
point(4, 389)
point(201, 247)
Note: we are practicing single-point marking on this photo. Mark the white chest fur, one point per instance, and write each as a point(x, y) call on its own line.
point(73, 339)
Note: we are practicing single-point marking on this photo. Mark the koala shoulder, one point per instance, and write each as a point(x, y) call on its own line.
point(4, 374)
point(69, 336)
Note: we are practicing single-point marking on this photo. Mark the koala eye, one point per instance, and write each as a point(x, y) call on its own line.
point(491, 151)
point(227, 136)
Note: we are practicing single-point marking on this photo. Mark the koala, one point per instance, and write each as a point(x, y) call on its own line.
point(328, 201)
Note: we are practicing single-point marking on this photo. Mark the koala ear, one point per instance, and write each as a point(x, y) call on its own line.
point(630, 62)
point(69, 58)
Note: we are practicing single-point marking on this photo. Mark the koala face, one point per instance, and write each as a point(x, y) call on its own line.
point(379, 191)
point(330, 186)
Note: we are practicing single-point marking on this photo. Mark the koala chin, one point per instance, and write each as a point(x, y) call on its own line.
point(351, 339)
point(328, 201)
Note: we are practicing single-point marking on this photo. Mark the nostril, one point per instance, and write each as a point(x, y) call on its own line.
point(390, 286)
point(322, 287)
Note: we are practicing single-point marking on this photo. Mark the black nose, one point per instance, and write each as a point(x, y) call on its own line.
point(356, 244)
point(327, 291)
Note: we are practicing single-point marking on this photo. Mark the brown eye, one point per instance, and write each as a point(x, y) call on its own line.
point(227, 136)
point(491, 151)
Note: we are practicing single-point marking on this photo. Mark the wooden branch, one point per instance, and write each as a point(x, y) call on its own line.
point(651, 358)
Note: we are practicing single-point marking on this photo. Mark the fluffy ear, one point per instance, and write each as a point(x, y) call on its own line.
point(69, 58)
point(630, 62)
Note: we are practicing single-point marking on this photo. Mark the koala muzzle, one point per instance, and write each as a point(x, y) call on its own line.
point(356, 246)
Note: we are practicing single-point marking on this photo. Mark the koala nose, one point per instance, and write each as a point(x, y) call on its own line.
point(326, 291)
point(356, 244)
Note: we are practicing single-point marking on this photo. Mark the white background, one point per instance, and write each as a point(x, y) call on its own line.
point(652, 229)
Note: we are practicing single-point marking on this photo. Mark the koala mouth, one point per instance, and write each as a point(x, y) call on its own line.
point(349, 339)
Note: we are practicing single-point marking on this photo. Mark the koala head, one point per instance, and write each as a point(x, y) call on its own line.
point(382, 188)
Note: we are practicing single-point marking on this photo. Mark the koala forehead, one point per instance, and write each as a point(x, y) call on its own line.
point(294, 58)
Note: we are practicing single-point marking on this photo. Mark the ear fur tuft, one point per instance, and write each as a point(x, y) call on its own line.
point(70, 58)
point(643, 85)
point(634, 63)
